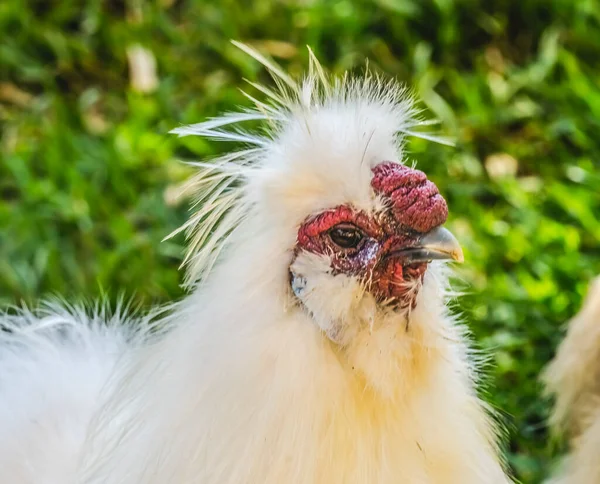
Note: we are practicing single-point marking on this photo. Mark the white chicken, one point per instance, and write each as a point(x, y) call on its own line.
point(316, 346)
point(573, 377)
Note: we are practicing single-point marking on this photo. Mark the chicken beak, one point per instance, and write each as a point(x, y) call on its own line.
point(438, 244)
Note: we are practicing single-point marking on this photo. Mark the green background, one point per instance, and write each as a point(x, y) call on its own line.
point(87, 168)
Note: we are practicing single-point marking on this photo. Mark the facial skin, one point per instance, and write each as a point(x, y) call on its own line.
point(387, 251)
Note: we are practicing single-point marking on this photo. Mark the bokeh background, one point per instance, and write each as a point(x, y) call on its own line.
point(89, 90)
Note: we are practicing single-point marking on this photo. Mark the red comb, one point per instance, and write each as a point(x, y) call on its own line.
point(415, 201)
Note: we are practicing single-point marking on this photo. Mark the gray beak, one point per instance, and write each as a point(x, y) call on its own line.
point(438, 244)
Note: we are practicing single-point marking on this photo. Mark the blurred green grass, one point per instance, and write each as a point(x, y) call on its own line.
point(87, 166)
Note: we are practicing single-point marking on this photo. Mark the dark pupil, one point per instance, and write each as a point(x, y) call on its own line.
point(346, 237)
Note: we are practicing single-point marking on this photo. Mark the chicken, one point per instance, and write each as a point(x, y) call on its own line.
point(573, 377)
point(315, 346)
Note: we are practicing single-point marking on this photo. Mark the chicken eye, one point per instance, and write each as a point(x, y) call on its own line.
point(346, 236)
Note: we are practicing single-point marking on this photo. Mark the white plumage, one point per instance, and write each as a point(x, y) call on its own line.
point(249, 379)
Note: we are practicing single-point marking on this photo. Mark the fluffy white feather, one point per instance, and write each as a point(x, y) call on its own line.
point(54, 363)
point(244, 386)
